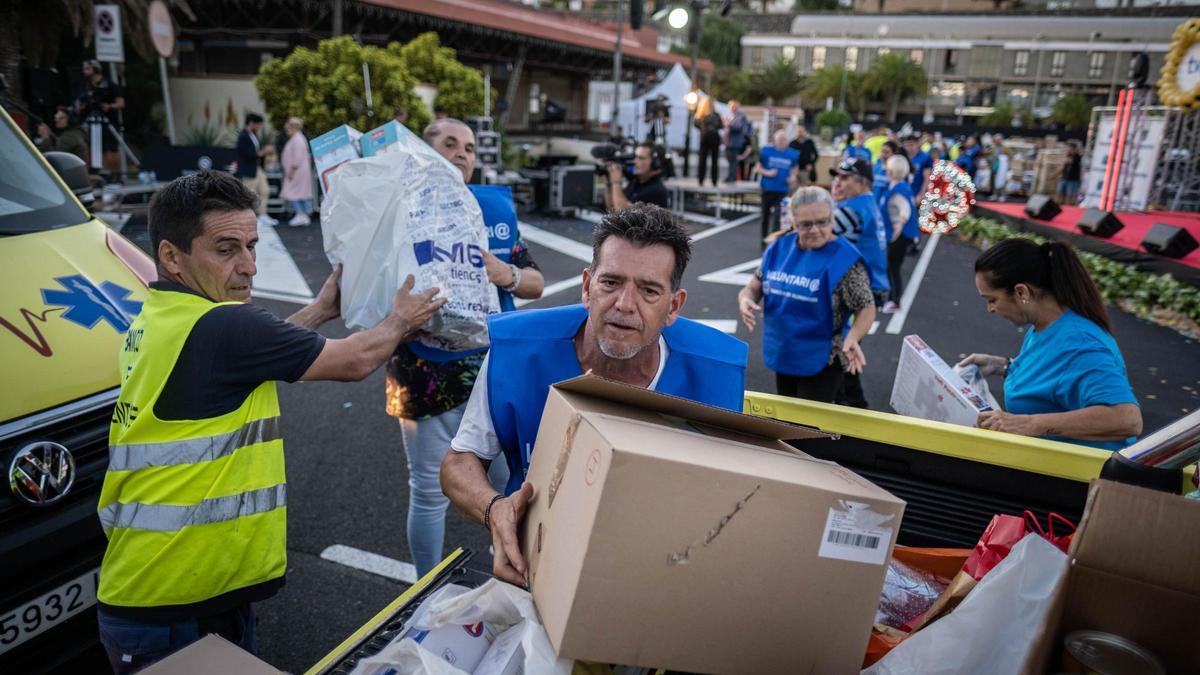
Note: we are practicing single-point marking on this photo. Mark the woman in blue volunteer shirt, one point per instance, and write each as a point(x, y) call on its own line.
point(1068, 382)
point(810, 282)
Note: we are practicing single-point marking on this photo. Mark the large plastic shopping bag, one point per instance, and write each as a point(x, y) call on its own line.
point(405, 212)
point(994, 627)
point(505, 609)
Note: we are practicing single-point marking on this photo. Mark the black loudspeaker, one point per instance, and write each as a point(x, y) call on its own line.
point(1042, 207)
point(1099, 223)
point(637, 10)
point(1169, 240)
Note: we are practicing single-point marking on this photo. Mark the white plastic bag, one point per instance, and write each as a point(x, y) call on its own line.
point(507, 609)
point(973, 376)
point(993, 629)
point(408, 212)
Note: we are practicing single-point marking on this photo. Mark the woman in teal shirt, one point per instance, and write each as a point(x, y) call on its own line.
point(1068, 382)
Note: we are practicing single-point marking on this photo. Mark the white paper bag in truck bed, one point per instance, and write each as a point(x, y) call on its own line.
point(409, 212)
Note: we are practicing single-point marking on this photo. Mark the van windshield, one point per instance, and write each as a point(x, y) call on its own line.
point(31, 199)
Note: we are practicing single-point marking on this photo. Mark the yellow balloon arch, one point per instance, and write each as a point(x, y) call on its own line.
point(1186, 35)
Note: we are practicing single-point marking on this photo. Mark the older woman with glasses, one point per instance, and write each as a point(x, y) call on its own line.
point(810, 282)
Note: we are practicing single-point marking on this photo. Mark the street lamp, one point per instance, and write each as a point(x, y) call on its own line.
point(677, 18)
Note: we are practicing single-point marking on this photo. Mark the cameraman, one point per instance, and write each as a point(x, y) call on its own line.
point(99, 96)
point(646, 185)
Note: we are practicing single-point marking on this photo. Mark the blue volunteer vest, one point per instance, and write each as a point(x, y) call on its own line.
point(534, 349)
point(880, 184)
point(500, 218)
point(911, 229)
point(872, 241)
point(920, 162)
point(798, 290)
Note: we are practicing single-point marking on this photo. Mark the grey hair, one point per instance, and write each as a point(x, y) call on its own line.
point(897, 168)
point(809, 195)
point(433, 130)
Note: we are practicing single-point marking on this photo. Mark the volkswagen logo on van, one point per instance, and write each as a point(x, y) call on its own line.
point(41, 473)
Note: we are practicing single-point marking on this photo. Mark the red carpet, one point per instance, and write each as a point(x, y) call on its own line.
point(1125, 245)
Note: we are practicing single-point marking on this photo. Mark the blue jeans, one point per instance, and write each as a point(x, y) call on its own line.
point(426, 443)
point(300, 206)
point(132, 644)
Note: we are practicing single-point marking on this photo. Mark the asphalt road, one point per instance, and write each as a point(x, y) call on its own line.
point(346, 469)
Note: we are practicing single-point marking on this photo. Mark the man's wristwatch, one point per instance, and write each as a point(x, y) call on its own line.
point(516, 279)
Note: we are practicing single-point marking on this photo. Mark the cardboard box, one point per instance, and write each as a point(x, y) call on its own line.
point(333, 149)
point(387, 138)
point(212, 655)
point(670, 534)
point(927, 387)
point(1135, 572)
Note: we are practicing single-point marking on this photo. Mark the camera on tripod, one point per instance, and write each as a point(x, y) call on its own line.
point(611, 153)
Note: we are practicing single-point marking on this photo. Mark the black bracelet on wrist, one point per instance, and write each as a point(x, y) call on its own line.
point(487, 512)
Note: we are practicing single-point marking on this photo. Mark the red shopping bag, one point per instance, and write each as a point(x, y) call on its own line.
point(1061, 541)
point(998, 539)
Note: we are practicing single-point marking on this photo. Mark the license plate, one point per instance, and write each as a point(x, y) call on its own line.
point(41, 614)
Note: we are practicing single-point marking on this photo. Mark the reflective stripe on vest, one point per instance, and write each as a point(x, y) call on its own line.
point(191, 451)
point(167, 518)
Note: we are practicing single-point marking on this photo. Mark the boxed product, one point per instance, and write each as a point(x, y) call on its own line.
point(390, 137)
point(1133, 575)
point(333, 149)
point(927, 387)
point(670, 534)
point(211, 655)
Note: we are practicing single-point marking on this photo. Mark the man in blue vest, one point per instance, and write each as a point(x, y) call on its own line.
point(858, 220)
point(922, 165)
point(427, 388)
point(628, 329)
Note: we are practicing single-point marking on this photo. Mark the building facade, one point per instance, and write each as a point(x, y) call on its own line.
point(972, 62)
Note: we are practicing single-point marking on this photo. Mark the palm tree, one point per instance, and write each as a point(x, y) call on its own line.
point(893, 78)
point(827, 83)
point(777, 81)
point(1072, 111)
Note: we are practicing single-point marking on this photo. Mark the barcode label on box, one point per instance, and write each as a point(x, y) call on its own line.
point(852, 539)
point(856, 533)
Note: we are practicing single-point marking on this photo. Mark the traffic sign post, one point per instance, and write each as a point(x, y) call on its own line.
point(110, 47)
point(162, 34)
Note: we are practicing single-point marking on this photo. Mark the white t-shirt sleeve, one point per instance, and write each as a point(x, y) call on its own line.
point(476, 434)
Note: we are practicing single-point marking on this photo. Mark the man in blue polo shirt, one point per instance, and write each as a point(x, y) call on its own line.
point(775, 164)
point(628, 329)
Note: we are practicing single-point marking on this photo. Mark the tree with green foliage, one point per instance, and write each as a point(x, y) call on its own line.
point(827, 82)
point(733, 84)
point(777, 82)
point(833, 119)
point(460, 87)
point(325, 87)
point(892, 78)
point(720, 41)
point(1002, 115)
point(1072, 111)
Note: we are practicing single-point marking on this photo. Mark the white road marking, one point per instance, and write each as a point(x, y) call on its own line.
point(371, 562)
point(712, 231)
point(556, 287)
point(278, 278)
point(728, 326)
point(874, 327)
point(556, 242)
point(914, 284)
point(734, 275)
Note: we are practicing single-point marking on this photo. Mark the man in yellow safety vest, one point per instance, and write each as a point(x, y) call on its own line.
point(194, 500)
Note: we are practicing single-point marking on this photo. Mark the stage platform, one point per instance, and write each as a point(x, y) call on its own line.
point(734, 193)
point(1124, 246)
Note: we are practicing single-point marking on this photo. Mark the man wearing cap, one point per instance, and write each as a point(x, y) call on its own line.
point(922, 165)
point(859, 220)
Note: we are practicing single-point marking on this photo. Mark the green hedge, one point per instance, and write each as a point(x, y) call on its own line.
point(1157, 297)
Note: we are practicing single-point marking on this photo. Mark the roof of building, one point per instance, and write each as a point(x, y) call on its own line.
point(995, 27)
point(507, 17)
